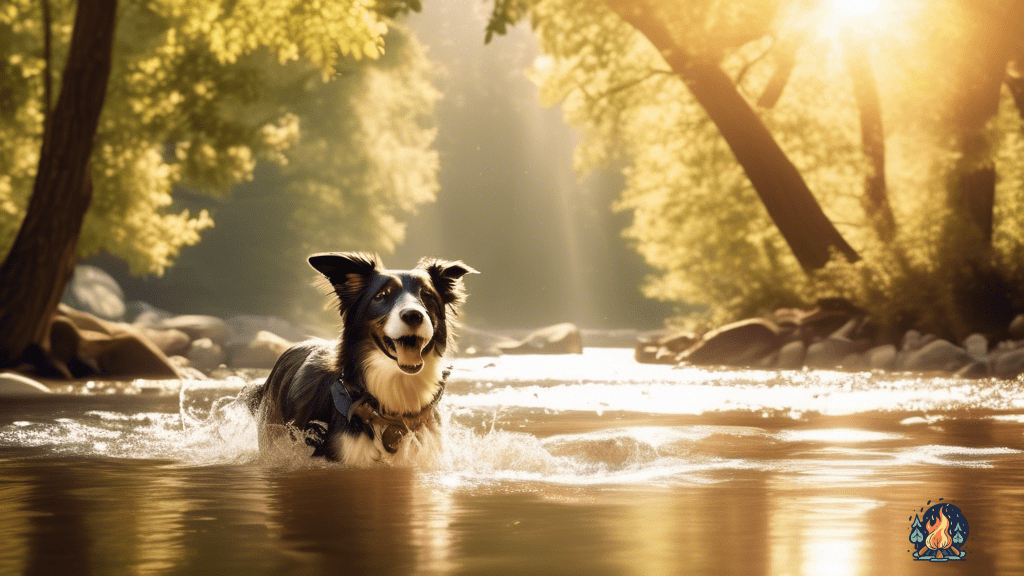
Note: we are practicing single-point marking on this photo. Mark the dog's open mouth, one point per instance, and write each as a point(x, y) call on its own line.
point(407, 351)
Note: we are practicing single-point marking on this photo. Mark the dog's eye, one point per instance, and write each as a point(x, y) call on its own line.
point(381, 295)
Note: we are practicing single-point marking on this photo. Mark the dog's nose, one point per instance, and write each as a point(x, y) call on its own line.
point(412, 317)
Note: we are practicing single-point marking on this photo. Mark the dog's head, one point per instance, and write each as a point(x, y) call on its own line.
point(402, 312)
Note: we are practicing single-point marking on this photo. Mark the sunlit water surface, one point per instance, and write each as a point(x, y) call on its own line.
point(587, 464)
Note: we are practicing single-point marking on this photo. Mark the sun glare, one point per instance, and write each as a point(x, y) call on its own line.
point(855, 8)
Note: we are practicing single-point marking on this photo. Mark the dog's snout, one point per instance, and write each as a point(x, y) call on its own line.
point(412, 317)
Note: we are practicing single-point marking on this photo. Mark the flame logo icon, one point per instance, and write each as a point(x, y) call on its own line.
point(939, 535)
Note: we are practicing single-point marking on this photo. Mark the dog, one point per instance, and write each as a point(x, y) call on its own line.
point(371, 397)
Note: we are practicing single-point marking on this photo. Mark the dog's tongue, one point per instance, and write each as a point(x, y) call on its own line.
point(409, 354)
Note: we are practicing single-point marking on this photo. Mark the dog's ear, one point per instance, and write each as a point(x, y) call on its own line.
point(347, 272)
point(447, 278)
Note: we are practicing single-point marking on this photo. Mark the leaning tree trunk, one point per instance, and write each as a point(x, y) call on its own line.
point(37, 268)
point(783, 191)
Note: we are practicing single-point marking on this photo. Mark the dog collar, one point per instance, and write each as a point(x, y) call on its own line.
point(360, 410)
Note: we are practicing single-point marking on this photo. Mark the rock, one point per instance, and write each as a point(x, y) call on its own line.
point(205, 354)
point(677, 341)
point(788, 316)
point(1016, 327)
point(829, 353)
point(1008, 364)
point(830, 315)
point(976, 369)
point(16, 385)
point(854, 361)
point(91, 346)
point(170, 342)
point(881, 357)
point(261, 352)
point(94, 291)
point(939, 355)
point(738, 344)
point(475, 342)
point(243, 328)
point(977, 346)
point(197, 327)
point(558, 339)
point(791, 356)
point(911, 341)
point(185, 368)
point(144, 313)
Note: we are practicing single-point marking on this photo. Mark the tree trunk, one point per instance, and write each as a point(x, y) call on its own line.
point(783, 191)
point(872, 136)
point(37, 268)
point(993, 31)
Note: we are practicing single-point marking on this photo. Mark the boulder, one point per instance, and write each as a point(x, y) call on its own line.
point(977, 346)
point(1008, 364)
point(205, 354)
point(261, 352)
point(94, 291)
point(170, 342)
point(144, 313)
point(940, 355)
point(475, 342)
point(244, 328)
point(90, 346)
point(854, 361)
point(881, 357)
point(558, 339)
point(791, 356)
point(738, 344)
point(1016, 327)
point(975, 369)
point(197, 326)
point(16, 385)
point(911, 341)
point(829, 353)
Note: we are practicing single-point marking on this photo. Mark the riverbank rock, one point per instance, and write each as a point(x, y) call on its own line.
point(830, 352)
point(937, 355)
point(170, 342)
point(197, 326)
point(738, 344)
point(14, 385)
point(476, 342)
point(94, 291)
point(663, 348)
point(260, 352)
point(89, 346)
point(562, 338)
point(881, 357)
point(204, 354)
point(791, 355)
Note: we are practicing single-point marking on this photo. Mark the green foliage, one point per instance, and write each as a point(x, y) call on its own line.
point(696, 218)
point(201, 92)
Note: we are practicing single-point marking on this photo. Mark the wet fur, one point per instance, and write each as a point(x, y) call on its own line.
point(296, 396)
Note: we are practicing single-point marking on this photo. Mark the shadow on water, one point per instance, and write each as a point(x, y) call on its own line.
point(586, 465)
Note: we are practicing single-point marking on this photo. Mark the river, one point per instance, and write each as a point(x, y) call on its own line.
point(588, 464)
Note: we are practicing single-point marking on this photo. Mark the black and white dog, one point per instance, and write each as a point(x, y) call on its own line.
point(371, 396)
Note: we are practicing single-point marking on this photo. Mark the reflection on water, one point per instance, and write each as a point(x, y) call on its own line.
point(555, 465)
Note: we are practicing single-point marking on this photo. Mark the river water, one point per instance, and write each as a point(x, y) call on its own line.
point(586, 464)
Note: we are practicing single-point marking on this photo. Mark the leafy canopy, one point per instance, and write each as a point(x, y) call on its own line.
point(696, 218)
point(201, 91)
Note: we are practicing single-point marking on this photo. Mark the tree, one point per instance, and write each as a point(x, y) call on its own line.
point(639, 79)
point(200, 91)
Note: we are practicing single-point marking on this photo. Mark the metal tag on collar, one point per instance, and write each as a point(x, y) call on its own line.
point(342, 398)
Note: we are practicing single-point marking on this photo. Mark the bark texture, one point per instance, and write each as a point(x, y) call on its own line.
point(37, 268)
point(790, 204)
